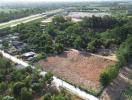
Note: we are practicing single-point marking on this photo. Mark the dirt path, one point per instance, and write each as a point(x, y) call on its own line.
point(110, 57)
point(114, 90)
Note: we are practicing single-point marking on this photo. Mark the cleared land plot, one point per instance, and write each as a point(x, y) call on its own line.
point(81, 69)
point(87, 14)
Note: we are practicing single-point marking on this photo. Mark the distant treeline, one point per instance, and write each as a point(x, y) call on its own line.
point(4, 17)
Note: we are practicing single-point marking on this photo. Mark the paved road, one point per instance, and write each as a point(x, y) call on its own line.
point(15, 22)
point(58, 82)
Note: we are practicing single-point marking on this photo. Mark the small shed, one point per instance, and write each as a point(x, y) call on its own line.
point(17, 43)
point(14, 37)
point(28, 55)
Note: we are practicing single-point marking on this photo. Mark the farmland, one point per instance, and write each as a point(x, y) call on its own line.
point(76, 68)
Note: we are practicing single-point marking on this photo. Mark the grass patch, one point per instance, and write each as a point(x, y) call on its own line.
point(95, 93)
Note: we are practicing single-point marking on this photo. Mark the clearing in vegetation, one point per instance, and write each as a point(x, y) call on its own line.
point(79, 68)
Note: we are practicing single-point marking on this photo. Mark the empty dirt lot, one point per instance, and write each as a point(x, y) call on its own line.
point(79, 68)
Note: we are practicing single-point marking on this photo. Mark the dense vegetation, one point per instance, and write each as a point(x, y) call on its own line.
point(27, 84)
point(63, 33)
point(91, 34)
point(123, 37)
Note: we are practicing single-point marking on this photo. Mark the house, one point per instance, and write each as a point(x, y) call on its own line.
point(13, 38)
point(19, 45)
point(28, 55)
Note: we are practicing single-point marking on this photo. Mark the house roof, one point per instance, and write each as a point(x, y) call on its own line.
point(17, 43)
point(28, 54)
point(14, 37)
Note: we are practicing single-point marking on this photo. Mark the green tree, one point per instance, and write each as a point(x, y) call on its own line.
point(124, 54)
point(47, 96)
point(5, 44)
point(78, 42)
point(59, 97)
point(109, 73)
point(91, 47)
point(17, 88)
point(8, 98)
point(48, 77)
point(59, 48)
point(104, 79)
point(26, 94)
point(37, 87)
point(3, 87)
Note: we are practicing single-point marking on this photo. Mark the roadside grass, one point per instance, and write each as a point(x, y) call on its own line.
point(95, 93)
point(19, 21)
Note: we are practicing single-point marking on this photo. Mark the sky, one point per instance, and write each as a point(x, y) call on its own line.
point(52, 0)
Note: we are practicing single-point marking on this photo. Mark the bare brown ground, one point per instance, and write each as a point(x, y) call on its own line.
point(79, 68)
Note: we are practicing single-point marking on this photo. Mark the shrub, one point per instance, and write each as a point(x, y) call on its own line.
point(109, 74)
point(39, 57)
point(94, 45)
point(3, 87)
point(104, 79)
point(48, 77)
point(29, 69)
point(59, 48)
point(27, 81)
point(8, 98)
point(37, 87)
point(17, 88)
point(59, 97)
point(47, 96)
point(1, 77)
point(124, 54)
point(91, 48)
point(1, 96)
point(25, 94)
